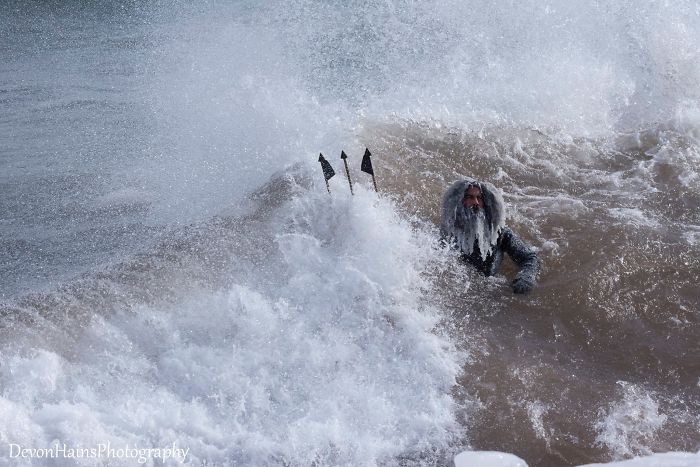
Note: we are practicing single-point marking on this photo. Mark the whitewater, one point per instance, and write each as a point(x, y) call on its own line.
point(176, 278)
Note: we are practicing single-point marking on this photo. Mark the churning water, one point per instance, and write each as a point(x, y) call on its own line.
point(172, 269)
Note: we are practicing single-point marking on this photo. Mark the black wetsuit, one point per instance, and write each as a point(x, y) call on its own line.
point(524, 256)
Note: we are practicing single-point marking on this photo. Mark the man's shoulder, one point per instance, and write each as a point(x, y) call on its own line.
point(508, 239)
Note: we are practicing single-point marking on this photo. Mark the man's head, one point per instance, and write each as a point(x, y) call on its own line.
point(472, 198)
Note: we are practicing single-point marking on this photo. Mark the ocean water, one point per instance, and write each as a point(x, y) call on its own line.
point(173, 270)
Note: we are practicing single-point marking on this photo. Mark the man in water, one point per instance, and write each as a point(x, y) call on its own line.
point(473, 220)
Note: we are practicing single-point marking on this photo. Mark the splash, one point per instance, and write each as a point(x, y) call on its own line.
point(628, 426)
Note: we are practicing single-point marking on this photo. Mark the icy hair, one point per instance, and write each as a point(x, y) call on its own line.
point(452, 218)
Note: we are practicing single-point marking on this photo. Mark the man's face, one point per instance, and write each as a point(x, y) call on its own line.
point(472, 199)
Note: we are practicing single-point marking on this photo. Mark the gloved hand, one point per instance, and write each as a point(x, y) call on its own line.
point(523, 285)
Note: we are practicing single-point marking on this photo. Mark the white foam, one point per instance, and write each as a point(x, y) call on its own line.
point(557, 204)
point(335, 362)
point(629, 425)
point(692, 234)
point(635, 217)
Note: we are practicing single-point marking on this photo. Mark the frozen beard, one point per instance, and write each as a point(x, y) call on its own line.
point(471, 228)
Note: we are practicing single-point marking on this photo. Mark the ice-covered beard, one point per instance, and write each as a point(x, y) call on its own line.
point(471, 228)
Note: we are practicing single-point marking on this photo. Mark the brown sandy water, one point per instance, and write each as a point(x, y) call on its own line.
point(602, 361)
